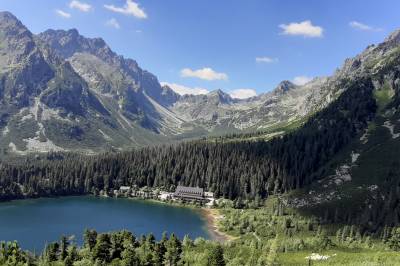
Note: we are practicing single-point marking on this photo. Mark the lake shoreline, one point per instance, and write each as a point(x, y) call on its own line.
point(27, 220)
point(213, 216)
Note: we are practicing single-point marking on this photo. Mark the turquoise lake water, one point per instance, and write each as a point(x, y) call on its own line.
point(35, 222)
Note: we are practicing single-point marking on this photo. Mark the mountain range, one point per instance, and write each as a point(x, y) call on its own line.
point(61, 91)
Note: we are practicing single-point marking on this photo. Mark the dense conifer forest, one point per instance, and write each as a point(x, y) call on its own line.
point(116, 248)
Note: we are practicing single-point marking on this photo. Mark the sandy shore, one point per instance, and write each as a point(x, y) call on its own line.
point(213, 216)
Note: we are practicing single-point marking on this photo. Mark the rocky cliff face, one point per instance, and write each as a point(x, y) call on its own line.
point(84, 52)
point(62, 91)
point(41, 94)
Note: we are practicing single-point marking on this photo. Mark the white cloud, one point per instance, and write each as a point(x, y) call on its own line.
point(205, 73)
point(305, 28)
point(301, 80)
point(81, 6)
point(266, 59)
point(130, 8)
point(113, 23)
point(242, 93)
point(182, 90)
point(63, 13)
point(361, 26)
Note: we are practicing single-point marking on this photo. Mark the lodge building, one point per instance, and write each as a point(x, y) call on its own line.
point(189, 193)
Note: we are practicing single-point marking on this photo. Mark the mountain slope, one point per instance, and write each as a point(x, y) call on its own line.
point(38, 88)
point(46, 105)
point(64, 92)
point(360, 185)
point(61, 91)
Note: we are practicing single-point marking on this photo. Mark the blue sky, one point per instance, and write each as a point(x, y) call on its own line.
point(239, 46)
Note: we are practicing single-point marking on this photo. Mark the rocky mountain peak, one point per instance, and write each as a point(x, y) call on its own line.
point(9, 20)
point(169, 94)
point(361, 64)
point(73, 32)
point(220, 96)
point(16, 39)
point(217, 92)
point(74, 47)
point(25, 72)
point(394, 37)
point(284, 87)
point(69, 42)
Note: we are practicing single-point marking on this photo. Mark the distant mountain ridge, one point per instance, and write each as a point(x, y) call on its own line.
point(62, 91)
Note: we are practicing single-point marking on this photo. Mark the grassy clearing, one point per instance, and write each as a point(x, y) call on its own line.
point(340, 257)
point(298, 236)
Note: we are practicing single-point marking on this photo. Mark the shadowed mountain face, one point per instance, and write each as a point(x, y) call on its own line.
point(62, 91)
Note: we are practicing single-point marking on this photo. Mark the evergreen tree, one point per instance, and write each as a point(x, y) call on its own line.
point(51, 252)
point(173, 251)
point(216, 257)
point(394, 240)
point(117, 243)
point(158, 254)
point(187, 242)
point(101, 250)
point(89, 238)
point(129, 257)
point(63, 247)
point(72, 256)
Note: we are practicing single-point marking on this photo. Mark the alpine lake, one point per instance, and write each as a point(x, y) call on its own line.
point(35, 222)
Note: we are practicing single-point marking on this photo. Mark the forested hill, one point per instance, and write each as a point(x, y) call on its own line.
point(231, 170)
